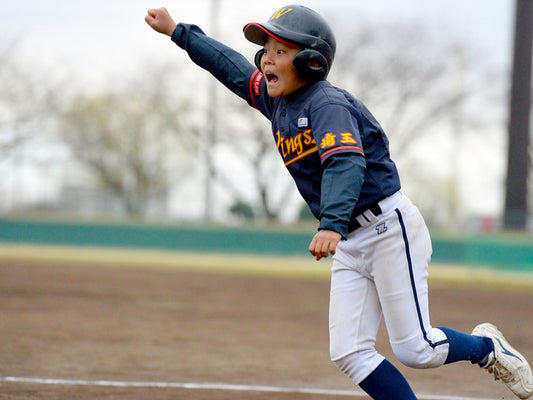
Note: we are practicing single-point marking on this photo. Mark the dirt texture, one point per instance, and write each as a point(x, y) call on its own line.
point(122, 324)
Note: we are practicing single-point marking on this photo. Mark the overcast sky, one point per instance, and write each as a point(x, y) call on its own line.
point(107, 34)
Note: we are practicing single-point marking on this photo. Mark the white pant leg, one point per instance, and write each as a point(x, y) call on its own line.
point(354, 318)
point(400, 270)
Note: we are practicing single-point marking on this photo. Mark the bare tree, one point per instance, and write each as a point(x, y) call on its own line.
point(135, 140)
point(27, 101)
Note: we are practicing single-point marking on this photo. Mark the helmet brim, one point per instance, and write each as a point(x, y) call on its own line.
point(259, 34)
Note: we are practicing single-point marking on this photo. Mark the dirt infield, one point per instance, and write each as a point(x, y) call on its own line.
point(139, 325)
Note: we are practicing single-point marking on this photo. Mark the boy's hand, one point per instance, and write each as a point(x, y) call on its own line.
point(324, 242)
point(161, 21)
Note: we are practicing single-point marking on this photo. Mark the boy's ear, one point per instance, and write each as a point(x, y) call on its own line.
point(311, 65)
point(257, 58)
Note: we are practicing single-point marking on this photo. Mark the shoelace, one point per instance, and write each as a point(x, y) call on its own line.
point(500, 372)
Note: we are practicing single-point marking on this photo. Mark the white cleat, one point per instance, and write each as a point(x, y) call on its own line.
point(505, 362)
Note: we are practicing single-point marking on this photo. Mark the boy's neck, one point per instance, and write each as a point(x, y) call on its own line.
point(299, 91)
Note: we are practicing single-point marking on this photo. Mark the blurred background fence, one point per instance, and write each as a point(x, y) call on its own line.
point(503, 252)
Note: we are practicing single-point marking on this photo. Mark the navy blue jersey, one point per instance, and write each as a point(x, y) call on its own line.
point(335, 150)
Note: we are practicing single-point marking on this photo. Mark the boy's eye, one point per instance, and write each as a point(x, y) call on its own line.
point(265, 51)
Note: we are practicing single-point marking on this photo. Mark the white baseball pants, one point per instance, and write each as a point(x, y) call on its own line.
point(381, 270)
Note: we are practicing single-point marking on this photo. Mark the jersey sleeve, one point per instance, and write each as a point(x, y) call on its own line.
point(339, 143)
point(336, 131)
point(228, 66)
point(342, 179)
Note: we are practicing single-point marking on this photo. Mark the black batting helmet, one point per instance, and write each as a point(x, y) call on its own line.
point(299, 26)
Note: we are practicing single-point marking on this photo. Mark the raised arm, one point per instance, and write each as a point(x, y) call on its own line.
point(227, 65)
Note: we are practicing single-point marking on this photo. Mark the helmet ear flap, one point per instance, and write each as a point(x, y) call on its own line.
point(311, 65)
point(257, 58)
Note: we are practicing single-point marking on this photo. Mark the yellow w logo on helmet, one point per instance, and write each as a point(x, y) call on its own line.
point(281, 12)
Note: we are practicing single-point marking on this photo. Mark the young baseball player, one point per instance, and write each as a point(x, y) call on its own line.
point(339, 158)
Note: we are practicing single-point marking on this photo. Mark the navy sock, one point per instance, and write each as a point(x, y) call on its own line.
point(387, 383)
point(466, 347)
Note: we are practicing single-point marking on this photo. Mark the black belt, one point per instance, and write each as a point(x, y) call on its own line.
point(355, 224)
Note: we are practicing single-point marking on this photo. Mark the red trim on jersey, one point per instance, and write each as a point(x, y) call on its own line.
point(279, 39)
point(255, 81)
point(341, 148)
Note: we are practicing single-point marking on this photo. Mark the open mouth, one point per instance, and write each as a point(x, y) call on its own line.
point(271, 78)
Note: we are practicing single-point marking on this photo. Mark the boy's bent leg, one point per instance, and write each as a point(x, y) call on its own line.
point(405, 300)
point(400, 274)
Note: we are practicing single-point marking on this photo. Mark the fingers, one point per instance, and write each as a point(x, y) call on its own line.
point(322, 250)
point(321, 253)
point(324, 243)
point(154, 12)
point(151, 17)
point(314, 249)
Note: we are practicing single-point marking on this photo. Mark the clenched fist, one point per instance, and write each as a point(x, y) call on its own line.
point(161, 21)
point(324, 242)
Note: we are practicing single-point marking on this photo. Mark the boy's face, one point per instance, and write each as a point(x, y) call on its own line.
point(276, 64)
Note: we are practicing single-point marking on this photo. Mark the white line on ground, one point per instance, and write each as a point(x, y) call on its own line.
point(210, 386)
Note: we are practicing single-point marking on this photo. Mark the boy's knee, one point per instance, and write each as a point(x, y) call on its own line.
point(358, 365)
point(420, 355)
